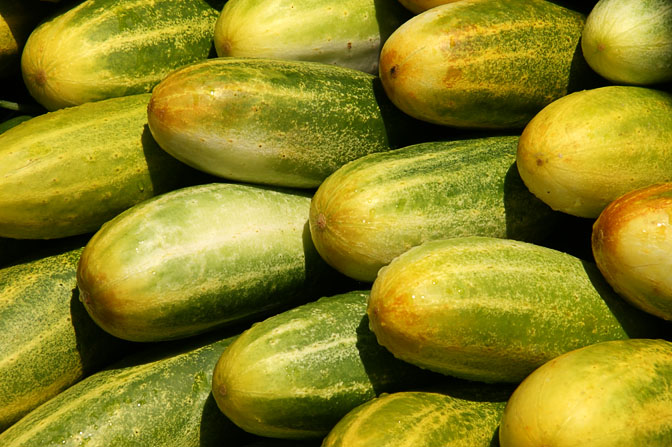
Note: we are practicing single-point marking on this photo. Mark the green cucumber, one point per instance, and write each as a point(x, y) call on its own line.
point(483, 64)
point(630, 41)
point(632, 242)
point(348, 33)
point(100, 49)
point(377, 207)
point(200, 257)
point(160, 397)
point(296, 374)
point(47, 341)
point(464, 415)
point(67, 172)
point(614, 393)
point(586, 149)
point(284, 123)
point(493, 310)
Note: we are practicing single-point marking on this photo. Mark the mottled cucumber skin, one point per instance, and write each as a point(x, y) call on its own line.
point(493, 310)
point(588, 148)
point(467, 416)
point(632, 242)
point(378, 206)
point(347, 33)
point(67, 172)
point(484, 64)
point(160, 397)
point(100, 49)
point(614, 393)
point(275, 122)
point(47, 341)
point(200, 257)
point(295, 374)
point(630, 41)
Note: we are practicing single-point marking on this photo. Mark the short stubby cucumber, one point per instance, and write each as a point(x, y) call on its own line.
point(67, 172)
point(630, 41)
point(47, 340)
point(378, 206)
point(296, 374)
point(159, 397)
point(467, 416)
point(632, 242)
point(100, 49)
point(614, 393)
point(586, 149)
point(484, 64)
point(347, 33)
point(493, 310)
point(200, 257)
point(284, 123)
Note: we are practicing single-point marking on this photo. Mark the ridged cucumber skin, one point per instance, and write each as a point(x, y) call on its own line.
point(632, 242)
point(378, 206)
point(100, 49)
point(345, 33)
point(200, 257)
point(464, 417)
point(67, 172)
point(283, 123)
point(630, 41)
point(482, 64)
point(47, 341)
point(588, 148)
point(160, 397)
point(493, 310)
point(608, 394)
point(295, 374)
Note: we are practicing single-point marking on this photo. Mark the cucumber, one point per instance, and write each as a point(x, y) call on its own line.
point(296, 374)
point(67, 172)
point(13, 122)
point(493, 310)
point(47, 341)
point(418, 6)
point(344, 33)
point(464, 415)
point(100, 49)
point(160, 397)
point(631, 242)
point(590, 147)
point(377, 207)
point(613, 393)
point(200, 257)
point(283, 123)
point(630, 41)
point(483, 64)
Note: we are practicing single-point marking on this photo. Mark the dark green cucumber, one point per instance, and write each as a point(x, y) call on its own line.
point(47, 340)
point(285, 123)
point(377, 207)
point(158, 398)
point(296, 374)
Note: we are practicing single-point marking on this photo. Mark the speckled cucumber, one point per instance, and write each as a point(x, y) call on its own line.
point(100, 49)
point(67, 172)
point(285, 123)
point(614, 393)
point(347, 33)
point(200, 257)
point(586, 149)
point(460, 414)
point(47, 341)
point(160, 397)
point(377, 207)
point(493, 310)
point(296, 374)
point(481, 64)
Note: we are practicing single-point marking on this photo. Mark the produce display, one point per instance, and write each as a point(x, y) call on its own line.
point(320, 223)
